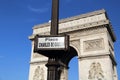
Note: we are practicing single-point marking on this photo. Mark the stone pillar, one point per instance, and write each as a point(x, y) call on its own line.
point(64, 73)
point(96, 60)
point(37, 70)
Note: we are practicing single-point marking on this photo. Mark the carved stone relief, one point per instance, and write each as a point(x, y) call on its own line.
point(64, 74)
point(94, 30)
point(96, 72)
point(38, 74)
point(95, 44)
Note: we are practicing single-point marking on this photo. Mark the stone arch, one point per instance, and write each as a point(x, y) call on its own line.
point(67, 57)
point(76, 47)
point(91, 39)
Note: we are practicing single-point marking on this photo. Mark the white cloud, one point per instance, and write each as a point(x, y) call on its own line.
point(38, 10)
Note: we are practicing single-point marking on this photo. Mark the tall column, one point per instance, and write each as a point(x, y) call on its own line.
point(96, 60)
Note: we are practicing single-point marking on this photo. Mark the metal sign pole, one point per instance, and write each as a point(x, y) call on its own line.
point(54, 17)
point(53, 63)
point(53, 72)
point(54, 46)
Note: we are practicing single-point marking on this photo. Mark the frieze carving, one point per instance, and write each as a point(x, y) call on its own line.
point(38, 74)
point(95, 44)
point(96, 72)
point(95, 30)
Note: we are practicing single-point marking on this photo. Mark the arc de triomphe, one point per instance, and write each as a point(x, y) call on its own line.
point(91, 39)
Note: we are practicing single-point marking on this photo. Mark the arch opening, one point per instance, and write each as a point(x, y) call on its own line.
point(68, 56)
point(73, 65)
point(71, 61)
point(73, 73)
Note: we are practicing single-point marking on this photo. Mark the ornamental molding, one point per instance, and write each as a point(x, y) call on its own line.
point(87, 32)
point(38, 63)
point(99, 15)
point(77, 34)
point(37, 55)
point(81, 22)
point(77, 22)
point(71, 27)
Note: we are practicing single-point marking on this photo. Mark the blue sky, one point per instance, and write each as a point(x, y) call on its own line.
point(17, 17)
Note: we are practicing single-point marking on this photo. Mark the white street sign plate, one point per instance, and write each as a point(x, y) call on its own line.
point(51, 42)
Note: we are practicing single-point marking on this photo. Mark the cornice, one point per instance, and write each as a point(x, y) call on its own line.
point(79, 22)
point(72, 18)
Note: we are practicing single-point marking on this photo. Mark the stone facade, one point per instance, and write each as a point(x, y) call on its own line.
point(92, 37)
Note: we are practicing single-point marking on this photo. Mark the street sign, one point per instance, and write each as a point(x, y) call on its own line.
point(51, 42)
